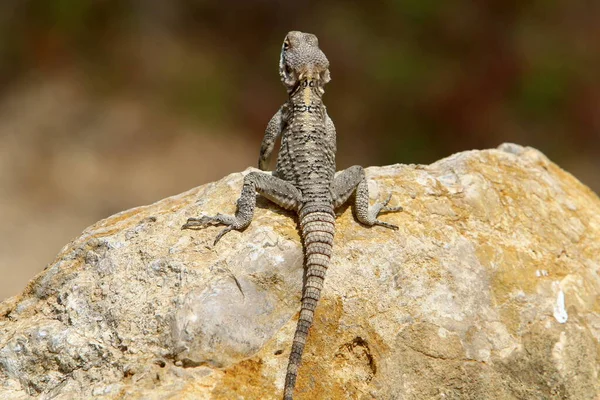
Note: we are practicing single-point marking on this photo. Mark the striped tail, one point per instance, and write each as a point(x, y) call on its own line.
point(317, 225)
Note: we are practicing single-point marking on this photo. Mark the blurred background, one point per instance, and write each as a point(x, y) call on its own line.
point(107, 105)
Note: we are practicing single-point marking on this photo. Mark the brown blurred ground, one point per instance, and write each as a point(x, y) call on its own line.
point(106, 105)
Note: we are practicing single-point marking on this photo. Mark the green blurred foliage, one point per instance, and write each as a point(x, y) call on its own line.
point(413, 80)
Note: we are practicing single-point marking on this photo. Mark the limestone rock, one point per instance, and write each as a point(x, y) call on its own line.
point(489, 290)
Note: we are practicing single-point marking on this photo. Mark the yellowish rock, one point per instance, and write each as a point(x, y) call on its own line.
point(489, 290)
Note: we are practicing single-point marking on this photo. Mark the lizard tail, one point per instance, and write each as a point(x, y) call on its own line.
point(317, 225)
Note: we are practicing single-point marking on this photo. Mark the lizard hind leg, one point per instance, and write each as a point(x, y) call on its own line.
point(277, 190)
point(352, 180)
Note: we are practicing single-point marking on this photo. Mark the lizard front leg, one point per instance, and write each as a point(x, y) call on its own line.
point(353, 180)
point(274, 128)
point(282, 193)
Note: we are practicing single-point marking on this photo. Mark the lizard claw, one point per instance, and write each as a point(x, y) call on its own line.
point(199, 223)
point(205, 221)
point(386, 209)
point(386, 225)
point(381, 208)
point(223, 232)
point(391, 209)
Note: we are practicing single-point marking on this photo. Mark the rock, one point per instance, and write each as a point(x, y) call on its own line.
point(489, 290)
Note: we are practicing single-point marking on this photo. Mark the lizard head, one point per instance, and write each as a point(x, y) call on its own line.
point(301, 58)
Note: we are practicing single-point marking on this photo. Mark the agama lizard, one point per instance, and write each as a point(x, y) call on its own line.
point(304, 179)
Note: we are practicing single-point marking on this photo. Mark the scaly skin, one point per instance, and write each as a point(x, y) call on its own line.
point(304, 179)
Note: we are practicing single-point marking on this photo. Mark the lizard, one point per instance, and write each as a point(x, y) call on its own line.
point(304, 179)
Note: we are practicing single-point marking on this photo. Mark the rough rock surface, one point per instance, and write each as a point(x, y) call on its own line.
point(489, 290)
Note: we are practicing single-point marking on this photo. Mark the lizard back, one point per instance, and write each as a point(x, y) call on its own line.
point(307, 154)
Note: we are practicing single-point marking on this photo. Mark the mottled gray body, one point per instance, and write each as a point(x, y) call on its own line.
point(304, 179)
